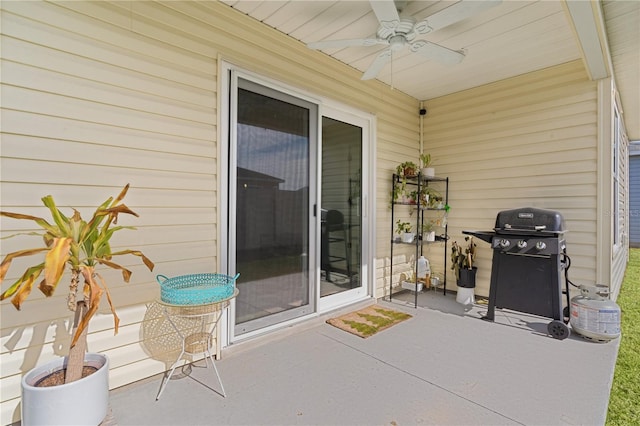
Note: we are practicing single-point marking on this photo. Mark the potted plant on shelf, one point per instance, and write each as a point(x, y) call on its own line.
point(404, 230)
point(428, 230)
point(399, 194)
point(404, 171)
point(434, 198)
point(408, 169)
point(426, 170)
point(79, 389)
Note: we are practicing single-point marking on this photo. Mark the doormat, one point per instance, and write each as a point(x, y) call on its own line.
point(368, 321)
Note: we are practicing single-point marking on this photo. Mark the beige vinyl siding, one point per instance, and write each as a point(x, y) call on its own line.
point(526, 141)
point(99, 94)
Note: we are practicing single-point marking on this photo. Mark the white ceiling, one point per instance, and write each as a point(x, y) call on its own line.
point(510, 39)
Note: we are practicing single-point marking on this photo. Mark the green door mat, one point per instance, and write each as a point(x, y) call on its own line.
point(368, 321)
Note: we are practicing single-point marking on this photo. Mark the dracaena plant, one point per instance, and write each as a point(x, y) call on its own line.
point(463, 257)
point(79, 245)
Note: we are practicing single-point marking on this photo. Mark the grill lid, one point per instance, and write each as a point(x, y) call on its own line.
point(529, 221)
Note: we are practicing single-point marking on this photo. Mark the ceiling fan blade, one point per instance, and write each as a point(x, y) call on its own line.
point(457, 12)
point(437, 52)
point(386, 12)
point(338, 44)
point(376, 66)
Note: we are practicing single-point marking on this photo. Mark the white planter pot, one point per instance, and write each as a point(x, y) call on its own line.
point(407, 237)
point(428, 172)
point(83, 402)
point(465, 296)
point(430, 236)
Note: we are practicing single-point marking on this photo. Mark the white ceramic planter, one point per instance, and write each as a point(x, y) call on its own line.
point(428, 172)
point(407, 237)
point(83, 402)
point(465, 296)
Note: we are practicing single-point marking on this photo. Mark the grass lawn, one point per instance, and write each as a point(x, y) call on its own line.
point(624, 402)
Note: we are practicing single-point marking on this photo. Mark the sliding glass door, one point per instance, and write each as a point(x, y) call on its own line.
point(341, 201)
point(275, 136)
point(296, 217)
point(341, 182)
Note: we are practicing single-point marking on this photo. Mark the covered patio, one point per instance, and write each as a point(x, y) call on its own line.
point(99, 95)
point(444, 365)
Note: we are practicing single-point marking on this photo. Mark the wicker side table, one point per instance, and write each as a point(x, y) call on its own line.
point(196, 325)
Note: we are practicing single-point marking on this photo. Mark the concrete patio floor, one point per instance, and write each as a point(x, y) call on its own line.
point(445, 365)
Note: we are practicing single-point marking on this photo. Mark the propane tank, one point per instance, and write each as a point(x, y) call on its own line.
point(593, 315)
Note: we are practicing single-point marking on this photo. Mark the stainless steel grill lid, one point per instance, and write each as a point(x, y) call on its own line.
point(529, 221)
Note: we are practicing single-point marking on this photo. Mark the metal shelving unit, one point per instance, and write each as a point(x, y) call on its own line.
point(422, 184)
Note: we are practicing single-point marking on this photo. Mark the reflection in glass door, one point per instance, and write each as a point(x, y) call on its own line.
point(341, 220)
point(274, 134)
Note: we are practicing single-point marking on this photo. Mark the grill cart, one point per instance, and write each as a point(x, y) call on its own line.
point(529, 254)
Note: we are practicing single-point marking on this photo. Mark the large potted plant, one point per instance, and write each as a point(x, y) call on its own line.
point(462, 262)
point(75, 389)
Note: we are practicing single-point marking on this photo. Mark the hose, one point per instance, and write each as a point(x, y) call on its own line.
point(567, 261)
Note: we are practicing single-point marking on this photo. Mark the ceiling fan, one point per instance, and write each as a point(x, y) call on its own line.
point(397, 31)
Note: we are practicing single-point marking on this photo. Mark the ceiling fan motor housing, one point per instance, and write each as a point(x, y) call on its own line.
point(403, 27)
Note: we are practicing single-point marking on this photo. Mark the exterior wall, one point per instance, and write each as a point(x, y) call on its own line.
point(526, 141)
point(99, 94)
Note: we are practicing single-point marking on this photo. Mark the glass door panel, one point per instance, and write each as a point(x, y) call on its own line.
point(273, 149)
point(341, 224)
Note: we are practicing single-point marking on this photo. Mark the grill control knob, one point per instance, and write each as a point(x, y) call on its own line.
point(541, 245)
point(522, 244)
point(504, 243)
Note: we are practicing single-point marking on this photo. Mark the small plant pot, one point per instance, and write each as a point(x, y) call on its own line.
point(407, 237)
point(428, 171)
point(435, 281)
point(430, 236)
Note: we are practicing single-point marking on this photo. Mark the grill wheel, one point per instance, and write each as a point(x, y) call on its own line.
point(558, 330)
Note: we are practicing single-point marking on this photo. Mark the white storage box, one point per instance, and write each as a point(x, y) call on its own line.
point(408, 285)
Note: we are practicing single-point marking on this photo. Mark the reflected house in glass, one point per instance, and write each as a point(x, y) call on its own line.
point(256, 216)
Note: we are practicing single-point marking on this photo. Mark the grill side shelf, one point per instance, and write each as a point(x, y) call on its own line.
point(485, 236)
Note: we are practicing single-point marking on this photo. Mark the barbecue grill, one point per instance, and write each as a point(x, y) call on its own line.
point(529, 252)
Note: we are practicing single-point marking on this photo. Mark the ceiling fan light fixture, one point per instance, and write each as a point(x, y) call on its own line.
point(397, 42)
